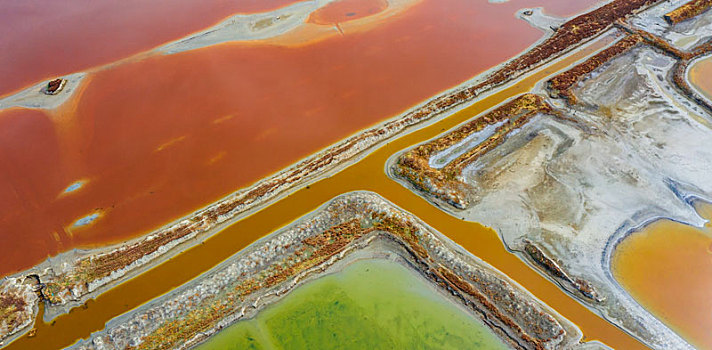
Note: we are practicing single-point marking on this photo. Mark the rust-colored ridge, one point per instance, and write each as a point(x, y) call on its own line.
point(560, 85)
point(444, 183)
point(552, 267)
point(687, 11)
point(571, 33)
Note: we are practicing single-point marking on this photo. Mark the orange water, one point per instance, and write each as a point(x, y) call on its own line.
point(701, 76)
point(667, 267)
point(158, 138)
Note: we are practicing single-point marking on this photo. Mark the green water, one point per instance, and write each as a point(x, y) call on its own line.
point(372, 304)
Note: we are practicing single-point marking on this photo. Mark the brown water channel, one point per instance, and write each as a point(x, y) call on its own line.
point(667, 267)
point(367, 174)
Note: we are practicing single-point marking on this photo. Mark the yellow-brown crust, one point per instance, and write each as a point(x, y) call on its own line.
point(315, 250)
point(444, 183)
point(687, 11)
point(560, 85)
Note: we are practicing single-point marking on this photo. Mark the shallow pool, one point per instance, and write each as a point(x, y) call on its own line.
point(371, 304)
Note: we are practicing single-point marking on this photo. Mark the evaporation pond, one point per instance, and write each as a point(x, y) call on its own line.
point(667, 268)
point(371, 304)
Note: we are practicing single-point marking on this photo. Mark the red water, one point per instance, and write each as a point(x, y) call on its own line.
point(158, 138)
point(41, 39)
point(347, 10)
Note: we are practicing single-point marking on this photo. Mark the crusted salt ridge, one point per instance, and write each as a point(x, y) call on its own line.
point(242, 285)
point(561, 84)
point(446, 156)
point(687, 11)
point(444, 182)
point(684, 35)
point(628, 155)
point(18, 304)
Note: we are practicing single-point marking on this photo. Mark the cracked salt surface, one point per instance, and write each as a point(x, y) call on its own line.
point(684, 35)
point(576, 189)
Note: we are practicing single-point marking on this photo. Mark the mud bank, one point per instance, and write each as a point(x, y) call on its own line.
point(687, 11)
point(295, 25)
point(243, 27)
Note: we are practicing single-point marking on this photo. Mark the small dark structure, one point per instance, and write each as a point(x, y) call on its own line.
point(54, 86)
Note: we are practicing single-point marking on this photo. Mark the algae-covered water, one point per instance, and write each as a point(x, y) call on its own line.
point(371, 304)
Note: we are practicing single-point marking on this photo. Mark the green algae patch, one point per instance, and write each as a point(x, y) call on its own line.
point(371, 304)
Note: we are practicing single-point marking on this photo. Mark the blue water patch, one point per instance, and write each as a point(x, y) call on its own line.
point(73, 187)
point(86, 220)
